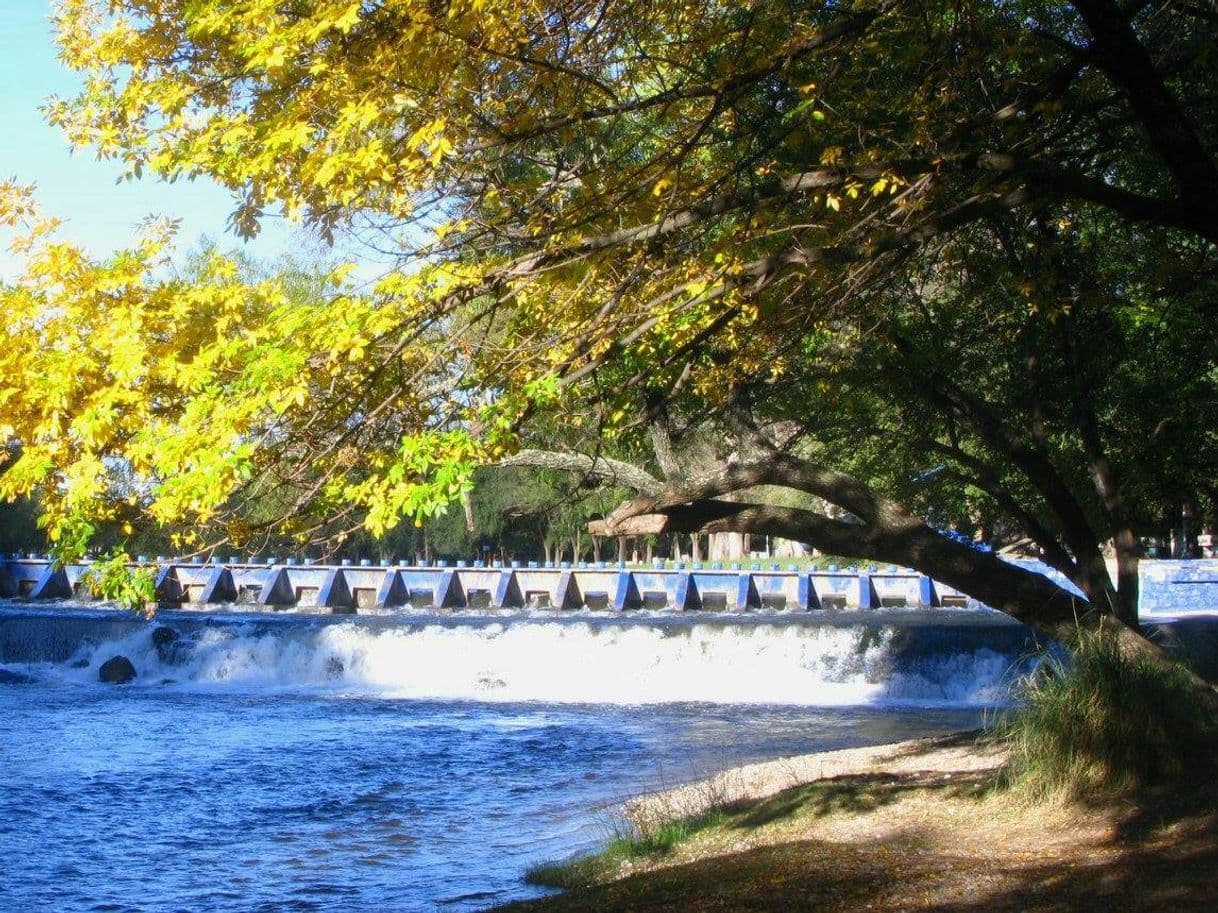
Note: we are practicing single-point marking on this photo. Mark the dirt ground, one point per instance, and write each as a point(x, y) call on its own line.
point(914, 826)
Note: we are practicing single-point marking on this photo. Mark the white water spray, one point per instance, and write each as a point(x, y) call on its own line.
point(628, 663)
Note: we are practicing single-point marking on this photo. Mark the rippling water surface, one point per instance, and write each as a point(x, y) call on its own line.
point(243, 792)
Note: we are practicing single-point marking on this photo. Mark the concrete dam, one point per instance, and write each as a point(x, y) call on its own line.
point(1168, 587)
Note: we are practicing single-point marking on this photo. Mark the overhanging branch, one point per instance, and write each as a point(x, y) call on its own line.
point(606, 469)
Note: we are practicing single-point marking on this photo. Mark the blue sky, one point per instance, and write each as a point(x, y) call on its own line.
point(98, 213)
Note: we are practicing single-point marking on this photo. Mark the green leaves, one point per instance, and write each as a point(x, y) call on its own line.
point(114, 579)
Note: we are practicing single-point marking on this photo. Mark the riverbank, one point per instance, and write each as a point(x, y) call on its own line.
point(913, 826)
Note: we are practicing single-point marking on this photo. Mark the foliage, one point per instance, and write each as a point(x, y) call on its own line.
point(1105, 723)
point(112, 578)
point(908, 237)
point(166, 396)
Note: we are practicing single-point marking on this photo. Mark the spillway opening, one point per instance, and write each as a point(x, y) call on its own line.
point(654, 599)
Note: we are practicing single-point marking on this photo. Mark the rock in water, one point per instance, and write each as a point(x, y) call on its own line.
point(14, 678)
point(163, 636)
point(167, 642)
point(117, 670)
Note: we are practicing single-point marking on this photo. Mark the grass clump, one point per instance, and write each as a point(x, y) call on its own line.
point(629, 845)
point(581, 872)
point(1104, 723)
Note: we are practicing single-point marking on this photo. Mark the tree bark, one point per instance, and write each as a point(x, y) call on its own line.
point(610, 471)
point(1025, 595)
point(467, 504)
point(1091, 573)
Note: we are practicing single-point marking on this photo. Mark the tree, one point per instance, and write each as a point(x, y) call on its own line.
point(641, 217)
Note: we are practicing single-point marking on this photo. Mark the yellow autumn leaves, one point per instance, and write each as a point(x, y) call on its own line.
point(285, 104)
point(472, 138)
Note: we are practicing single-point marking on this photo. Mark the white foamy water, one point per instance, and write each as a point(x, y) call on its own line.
point(628, 663)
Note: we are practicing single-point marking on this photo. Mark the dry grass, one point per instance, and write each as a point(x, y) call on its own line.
point(916, 826)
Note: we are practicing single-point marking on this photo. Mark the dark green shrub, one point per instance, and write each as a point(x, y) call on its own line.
point(1101, 722)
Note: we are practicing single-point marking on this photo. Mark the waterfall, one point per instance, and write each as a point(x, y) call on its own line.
point(619, 661)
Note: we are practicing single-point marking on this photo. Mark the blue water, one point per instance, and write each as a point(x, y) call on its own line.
point(263, 777)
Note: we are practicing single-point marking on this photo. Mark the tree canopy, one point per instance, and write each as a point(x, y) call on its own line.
point(896, 256)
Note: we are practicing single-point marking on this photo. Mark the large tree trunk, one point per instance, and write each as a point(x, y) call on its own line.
point(1028, 596)
point(1128, 577)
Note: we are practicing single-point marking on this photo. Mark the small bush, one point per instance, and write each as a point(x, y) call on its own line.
point(625, 847)
point(113, 578)
point(1104, 723)
point(582, 872)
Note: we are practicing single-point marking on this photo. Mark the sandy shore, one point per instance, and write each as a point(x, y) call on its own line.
point(915, 825)
point(947, 756)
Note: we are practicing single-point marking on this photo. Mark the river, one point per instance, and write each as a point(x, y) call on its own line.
point(414, 763)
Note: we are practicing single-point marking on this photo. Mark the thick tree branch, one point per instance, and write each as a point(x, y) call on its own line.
point(1048, 181)
point(778, 469)
point(755, 199)
point(985, 479)
point(1125, 60)
point(610, 471)
point(1026, 595)
point(1077, 530)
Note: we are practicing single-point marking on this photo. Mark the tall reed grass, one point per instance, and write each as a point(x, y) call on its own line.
point(1102, 723)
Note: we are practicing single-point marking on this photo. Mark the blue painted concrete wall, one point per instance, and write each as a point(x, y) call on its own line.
point(1168, 587)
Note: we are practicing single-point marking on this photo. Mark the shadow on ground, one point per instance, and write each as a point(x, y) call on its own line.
point(855, 794)
point(1162, 856)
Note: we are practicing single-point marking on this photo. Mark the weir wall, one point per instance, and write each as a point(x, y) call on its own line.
point(1168, 587)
